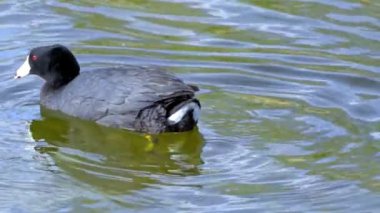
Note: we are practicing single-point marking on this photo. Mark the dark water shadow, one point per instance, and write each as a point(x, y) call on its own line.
point(112, 160)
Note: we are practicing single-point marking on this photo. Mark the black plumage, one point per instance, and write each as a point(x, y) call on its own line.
point(132, 97)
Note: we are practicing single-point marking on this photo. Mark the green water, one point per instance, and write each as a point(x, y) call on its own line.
point(290, 108)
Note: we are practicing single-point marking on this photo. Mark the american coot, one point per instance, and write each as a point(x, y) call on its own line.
point(139, 98)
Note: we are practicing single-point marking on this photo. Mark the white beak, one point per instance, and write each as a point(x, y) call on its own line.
point(24, 70)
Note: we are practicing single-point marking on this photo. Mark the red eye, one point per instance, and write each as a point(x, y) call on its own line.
point(34, 58)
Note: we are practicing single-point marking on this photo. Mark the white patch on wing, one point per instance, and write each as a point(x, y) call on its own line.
point(179, 114)
point(24, 69)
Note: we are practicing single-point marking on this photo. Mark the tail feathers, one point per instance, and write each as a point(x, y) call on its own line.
point(165, 118)
point(189, 108)
point(184, 116)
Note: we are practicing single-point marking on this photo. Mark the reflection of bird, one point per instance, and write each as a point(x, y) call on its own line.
point(144, 99)
point(114, 160)
point(150, 144)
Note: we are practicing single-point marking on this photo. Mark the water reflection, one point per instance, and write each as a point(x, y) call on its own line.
point(113, 160)
point(290, 94)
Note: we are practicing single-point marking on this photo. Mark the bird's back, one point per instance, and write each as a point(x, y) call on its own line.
point(119, 96)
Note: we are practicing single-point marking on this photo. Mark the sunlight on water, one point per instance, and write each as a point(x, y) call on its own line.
point(289, 92)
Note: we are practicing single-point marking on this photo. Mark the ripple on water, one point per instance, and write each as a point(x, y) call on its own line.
point(289, 92)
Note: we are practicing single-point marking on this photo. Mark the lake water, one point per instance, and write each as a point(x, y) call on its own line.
point(290, 95)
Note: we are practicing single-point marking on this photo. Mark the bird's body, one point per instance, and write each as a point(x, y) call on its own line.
point(144, 99)
point(102, 96)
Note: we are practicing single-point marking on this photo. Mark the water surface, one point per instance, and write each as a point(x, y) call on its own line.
point(290, 95)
